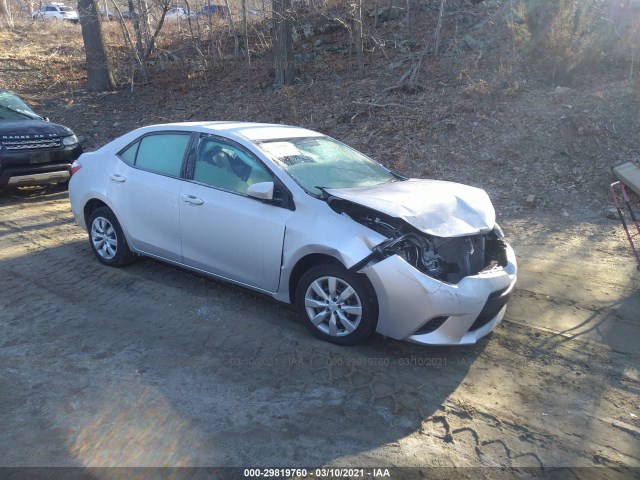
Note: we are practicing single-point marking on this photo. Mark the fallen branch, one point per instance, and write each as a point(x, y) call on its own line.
point(384, 105)
point(397, 86)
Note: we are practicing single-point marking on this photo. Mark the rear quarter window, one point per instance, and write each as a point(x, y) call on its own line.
point(161, 153)
point(129, 154)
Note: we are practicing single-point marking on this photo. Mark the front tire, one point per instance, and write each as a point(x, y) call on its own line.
point(337, 305)
point(107, 239)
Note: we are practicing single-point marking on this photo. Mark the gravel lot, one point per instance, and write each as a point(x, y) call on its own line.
point(153, 366)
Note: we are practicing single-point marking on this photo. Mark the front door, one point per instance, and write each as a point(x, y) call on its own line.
point(224, 231)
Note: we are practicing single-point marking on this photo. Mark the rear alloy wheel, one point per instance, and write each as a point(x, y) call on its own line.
point(337, 305)
point(107, 239)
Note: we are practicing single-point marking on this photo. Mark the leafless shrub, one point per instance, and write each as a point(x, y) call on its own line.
point(570, 39)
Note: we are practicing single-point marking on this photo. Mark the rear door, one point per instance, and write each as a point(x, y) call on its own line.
point(144, 189)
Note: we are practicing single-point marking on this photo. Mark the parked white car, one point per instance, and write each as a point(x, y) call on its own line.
point(306, 219)
point(176, 13)
point(57, 11)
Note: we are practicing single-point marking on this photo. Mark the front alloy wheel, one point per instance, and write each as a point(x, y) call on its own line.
point(337, 305)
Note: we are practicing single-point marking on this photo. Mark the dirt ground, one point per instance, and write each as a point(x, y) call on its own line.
point(152, 366)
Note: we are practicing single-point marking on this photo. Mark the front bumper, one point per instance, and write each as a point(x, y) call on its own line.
point(411, 303)
point(21, 176)
point(35, 167)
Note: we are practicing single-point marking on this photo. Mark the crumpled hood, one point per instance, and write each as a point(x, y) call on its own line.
point(443, 209)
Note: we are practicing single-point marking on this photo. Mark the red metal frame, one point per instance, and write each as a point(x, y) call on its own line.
point(616, 201)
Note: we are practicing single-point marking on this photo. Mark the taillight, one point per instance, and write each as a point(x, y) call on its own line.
point(75, 166)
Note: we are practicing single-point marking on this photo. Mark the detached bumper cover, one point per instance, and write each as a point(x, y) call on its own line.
point(463, 313)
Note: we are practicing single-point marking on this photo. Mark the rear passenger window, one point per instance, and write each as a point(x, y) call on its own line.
point(162, 153)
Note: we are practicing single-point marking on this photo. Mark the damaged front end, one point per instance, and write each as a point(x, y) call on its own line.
point(445, 259)
point(434, 289)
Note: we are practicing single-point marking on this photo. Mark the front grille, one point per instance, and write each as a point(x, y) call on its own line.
point(34, 144)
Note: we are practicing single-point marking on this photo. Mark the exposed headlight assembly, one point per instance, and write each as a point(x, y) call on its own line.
point(417, 251)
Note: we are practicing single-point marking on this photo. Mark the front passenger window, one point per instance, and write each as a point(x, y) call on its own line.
point(227, 167)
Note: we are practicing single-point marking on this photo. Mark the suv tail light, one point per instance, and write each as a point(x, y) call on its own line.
point(75, 166)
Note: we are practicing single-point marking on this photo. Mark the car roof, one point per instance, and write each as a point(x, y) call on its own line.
point(241, 132)
point(255, 132)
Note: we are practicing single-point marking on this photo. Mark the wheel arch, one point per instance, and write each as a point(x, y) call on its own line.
point(90, 207)
point(304, 264)
point(311, 260)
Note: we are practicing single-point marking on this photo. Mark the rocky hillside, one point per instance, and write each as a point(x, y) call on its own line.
point(532, 100)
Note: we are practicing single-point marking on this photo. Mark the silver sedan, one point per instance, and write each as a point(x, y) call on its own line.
point(306, 219)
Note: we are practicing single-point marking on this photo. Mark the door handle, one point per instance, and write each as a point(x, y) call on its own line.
point(192, 199)
point(117, 178)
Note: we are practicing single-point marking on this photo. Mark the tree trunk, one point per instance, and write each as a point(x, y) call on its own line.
point(436, 49)
point(139, 53)
point(136, 52)
point(5, 13)
point(359, 38)
point(232, 29)
point(408, 15)
point(245, 29)
point(282, 42)
point(152, 40)
point(99, 71)
point(143, 8)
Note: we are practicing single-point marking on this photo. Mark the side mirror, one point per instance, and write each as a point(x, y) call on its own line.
point(261, 191)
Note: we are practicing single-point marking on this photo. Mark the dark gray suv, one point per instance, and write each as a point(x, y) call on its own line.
point(33, 151)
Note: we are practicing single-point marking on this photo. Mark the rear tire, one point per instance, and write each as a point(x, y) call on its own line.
point(107, 239)
point(337, 305)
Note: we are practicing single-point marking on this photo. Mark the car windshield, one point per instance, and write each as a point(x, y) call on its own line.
point(316, 163)
point(13, 108)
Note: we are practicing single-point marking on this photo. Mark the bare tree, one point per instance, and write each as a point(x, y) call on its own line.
point(99, 71)
point(136, 51)
point(232, 29)
point(245, 30)
point(5, 13)
point(151, 43)
point(282, 42)
point(436, 48)
point(139, 50)
point(359, 37)
point(409, 15)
